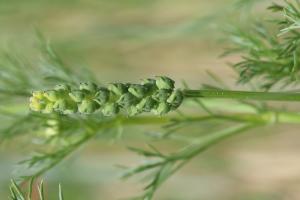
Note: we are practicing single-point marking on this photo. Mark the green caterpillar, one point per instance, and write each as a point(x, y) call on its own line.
point(152, 95)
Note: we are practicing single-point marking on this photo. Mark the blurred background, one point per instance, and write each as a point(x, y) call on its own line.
point(127, 40)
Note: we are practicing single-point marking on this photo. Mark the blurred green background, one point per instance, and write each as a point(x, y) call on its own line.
point(128, 40)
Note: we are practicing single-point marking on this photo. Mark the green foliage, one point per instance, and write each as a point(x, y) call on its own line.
point(17, 82)
point(163, 166)
point(291, 12)
point(267, 57)
point(16, 192)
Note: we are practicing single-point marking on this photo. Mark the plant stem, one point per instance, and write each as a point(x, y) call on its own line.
point(212, 139)
point(261, 118)
point(250, 120)
point(242, 95)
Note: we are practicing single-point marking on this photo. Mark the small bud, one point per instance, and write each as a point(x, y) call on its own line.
point(38, 94)
point(150, 84)
point(102, 96)
point(77, 95)
point(89, 86)
point(50, 132)
point(110, 109)
point(87, 107)
point(48, 108)
point(127, 100)
point(52, 128)
point(138, 90)
point(60, 105)
point(175, 99)
point(52, 123)
point(163, 108)
point(36, 104)
point(117, 88)
point(149, 81)
point(162, 95)
point(64, 87)
point(51, 95)
point(147, 104)
point(163, 82)
point(133, 110)
point(70, 110)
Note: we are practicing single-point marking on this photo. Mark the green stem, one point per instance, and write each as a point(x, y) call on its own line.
point(242, 95)
point(251, 121)
point(261, 118)
point(212, 139)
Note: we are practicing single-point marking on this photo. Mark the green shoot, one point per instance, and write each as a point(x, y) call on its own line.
point(16, 192)
point(66, 117)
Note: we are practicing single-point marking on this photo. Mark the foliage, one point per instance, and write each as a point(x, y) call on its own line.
point(17, 194)
point(270, 58)
point(266, 56)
